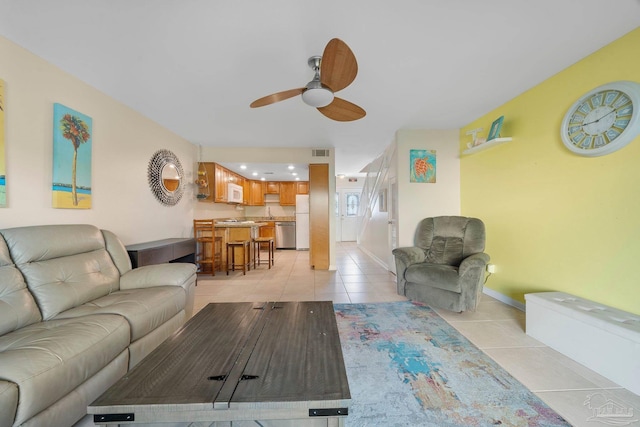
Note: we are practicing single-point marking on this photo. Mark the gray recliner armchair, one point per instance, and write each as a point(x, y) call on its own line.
point(445, 268)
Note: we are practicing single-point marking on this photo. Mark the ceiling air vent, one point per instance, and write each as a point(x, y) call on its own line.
point(320, 152)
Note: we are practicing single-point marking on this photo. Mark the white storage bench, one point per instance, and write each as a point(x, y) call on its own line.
point(604, 339)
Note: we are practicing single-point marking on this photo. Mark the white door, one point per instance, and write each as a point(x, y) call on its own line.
point(347, 205)
point(393, 222)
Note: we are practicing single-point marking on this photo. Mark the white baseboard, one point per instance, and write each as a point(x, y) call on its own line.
point(503, 298)
point(373, 257)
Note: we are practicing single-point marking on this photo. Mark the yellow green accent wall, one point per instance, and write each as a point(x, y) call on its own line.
point(557, 221)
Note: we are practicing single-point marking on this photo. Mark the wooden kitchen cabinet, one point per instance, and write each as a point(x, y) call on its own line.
point(302, 187)
point(238, 179)
point(210, 173)
point(221, 178)
point(257, 193)
point(287, 194)
point(253, 192)
point(273, 187)
point(246, 192)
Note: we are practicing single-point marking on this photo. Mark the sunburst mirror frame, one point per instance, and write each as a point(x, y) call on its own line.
point(158, 162)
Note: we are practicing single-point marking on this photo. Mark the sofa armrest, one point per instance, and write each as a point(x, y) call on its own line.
point(172, 274)
point(479, 260)
point(471, 276)
point(404, 257)
point(409, 255)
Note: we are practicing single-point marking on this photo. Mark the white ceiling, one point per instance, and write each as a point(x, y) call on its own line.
point(270, 171)
point(194, 66)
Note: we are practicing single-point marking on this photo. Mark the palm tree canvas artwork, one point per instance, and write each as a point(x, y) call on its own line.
point(71, 158)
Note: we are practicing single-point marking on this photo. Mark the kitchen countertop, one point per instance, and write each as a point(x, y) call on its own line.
point(239, 224)
point(275, 218)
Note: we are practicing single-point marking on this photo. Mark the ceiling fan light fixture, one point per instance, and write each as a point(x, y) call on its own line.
point(316, 95)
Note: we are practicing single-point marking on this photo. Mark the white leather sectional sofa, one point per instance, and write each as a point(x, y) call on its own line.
point(75, 317)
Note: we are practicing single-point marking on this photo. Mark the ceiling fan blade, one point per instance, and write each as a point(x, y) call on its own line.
point(342, 111)
point(276, 97)
point(338, 67)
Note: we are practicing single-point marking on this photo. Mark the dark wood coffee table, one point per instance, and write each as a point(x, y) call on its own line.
point(239, 361)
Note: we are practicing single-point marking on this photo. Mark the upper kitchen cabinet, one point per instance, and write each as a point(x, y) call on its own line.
point(210, 174)
point(302, 187)
point(288, 193)
point(273, 187)
point(255, 195)
point(221, 180)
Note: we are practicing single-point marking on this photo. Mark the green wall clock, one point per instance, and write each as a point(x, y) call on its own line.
point(604, 120)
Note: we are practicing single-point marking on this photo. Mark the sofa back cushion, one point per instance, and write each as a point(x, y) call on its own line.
point(64, 266)
point(17, 307)
point(450, 239)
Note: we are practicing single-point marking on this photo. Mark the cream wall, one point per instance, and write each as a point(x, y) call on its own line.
point(557, 221)
point(123, 143)
point(421, 200)
point(415, 200)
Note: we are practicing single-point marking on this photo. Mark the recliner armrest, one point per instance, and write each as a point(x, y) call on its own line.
point(410, 255)
point(479, 260)
point(173, 274)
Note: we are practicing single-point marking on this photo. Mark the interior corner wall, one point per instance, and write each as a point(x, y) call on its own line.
point(123, 143)
point(422, 200)
point(557, 221)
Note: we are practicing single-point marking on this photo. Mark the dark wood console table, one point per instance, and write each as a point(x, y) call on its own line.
point(161, 251)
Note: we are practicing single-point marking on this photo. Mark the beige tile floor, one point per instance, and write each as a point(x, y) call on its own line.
point(495, 327)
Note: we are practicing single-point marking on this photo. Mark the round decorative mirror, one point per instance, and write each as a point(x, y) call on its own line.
point(166, 177)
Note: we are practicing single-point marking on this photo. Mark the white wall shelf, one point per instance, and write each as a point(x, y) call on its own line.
point(486, 145)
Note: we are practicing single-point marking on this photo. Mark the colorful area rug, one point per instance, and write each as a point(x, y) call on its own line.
point(408, 367)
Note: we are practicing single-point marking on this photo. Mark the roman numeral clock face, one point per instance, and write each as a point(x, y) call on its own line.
point(603, 120)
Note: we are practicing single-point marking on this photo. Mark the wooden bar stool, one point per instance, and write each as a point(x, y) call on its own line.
point(245, 247)
point(208, 246)
point(257, 246)
point(217, 253)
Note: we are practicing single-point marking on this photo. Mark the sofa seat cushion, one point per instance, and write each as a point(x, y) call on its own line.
point(145, 309)
point(435, 275)
point(49, 359)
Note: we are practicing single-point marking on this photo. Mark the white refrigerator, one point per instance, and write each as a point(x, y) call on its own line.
point(302, 222)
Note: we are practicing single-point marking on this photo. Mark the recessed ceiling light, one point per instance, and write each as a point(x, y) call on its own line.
point(294, 173)
point(297, 178)
point(291, 167)
point(255, 174)
point(243, 166)
point(262, 179)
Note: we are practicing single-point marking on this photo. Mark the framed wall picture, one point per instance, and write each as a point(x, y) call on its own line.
point(494, 132)
point(422, 166)
point(71, 158)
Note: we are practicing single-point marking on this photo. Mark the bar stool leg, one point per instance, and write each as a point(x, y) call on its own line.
point(256, 254)
point(272, 248)
point(247, 254)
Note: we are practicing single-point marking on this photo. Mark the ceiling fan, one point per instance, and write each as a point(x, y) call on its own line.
point(334, 71)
